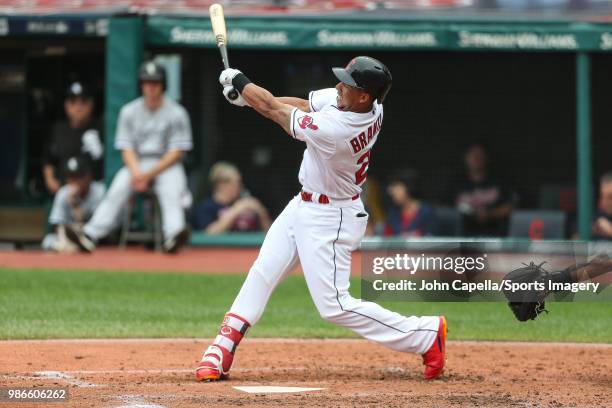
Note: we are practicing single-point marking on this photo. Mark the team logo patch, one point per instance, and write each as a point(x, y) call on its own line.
point(307, 122)
point(226, 330)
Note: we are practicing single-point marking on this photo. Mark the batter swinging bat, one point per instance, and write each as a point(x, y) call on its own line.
point(218, 25)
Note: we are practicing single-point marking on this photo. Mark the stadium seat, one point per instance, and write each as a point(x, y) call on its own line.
point(537, 224)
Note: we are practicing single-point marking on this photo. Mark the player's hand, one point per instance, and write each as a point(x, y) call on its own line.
point(140, 182)
point(239, 101)
point(227, 75)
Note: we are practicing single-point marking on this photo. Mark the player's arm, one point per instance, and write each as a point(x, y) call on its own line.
point(257, 98)
point(125, 141)
point(52, 183)
point(268, 106)
point(301, 104)
point(130, 159)
point(171, 157)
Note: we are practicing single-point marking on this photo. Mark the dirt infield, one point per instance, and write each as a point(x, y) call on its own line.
point(158, 373)
point(189, 260)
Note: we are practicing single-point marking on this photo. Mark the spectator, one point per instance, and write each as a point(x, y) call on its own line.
point(74, 202)
point(484, 202)
point(153, 132)
point(80, 134)
point(371, 196)
point(602, 226)
point(408, 216)
point(230, 208)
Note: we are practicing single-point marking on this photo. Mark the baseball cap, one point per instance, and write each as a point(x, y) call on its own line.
point(76, 89)
point(76, 166)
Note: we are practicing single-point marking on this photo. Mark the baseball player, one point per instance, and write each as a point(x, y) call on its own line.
point(74, 202)
point(153, 133)
point(325, 222)
point(80, 134)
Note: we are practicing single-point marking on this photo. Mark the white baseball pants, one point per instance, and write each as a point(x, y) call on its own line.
point(321, 237)
point(169, 187)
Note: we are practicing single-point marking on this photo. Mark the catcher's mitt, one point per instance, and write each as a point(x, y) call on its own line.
point(528, 304)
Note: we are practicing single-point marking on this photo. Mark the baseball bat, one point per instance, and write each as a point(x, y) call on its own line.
point(218, 25)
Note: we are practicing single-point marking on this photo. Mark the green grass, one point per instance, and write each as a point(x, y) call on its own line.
point(60, 304)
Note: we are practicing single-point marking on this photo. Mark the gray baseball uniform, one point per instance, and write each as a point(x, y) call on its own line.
point(150, 135)
point(61, 213)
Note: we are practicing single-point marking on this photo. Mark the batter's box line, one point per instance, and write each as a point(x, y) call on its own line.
point(68, 375)
point(63, 376)
point(136, 401)
point(178, 371)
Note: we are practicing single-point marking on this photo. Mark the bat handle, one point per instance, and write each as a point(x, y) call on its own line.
point(233, 94)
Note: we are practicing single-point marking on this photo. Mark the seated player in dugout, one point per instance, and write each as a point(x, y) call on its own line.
point(80, 134)
point(485, 203)
point(231, 207)
point(323, 224)
point(74, 203)
point(408, 215)
point(602, 226)
point(153, 133)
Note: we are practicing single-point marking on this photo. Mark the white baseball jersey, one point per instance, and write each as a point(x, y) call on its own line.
point(153, 133)
point(338, 145)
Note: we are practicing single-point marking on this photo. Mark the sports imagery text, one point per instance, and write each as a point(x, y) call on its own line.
point(486, 285)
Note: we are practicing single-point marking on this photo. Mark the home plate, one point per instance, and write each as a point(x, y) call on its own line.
point(274, 389)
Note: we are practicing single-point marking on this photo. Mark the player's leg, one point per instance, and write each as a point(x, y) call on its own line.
point(325, 237)
point(105, 217)
point(170, 186)
point(277, 257)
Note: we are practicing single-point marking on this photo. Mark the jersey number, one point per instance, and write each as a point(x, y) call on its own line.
point(362, 173)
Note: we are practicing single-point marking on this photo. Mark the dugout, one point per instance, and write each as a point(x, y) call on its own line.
point(535, 90)
point(39, 56)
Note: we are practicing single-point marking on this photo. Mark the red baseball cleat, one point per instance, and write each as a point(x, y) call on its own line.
point(434, 358)
point(210, 368)
point(207, 372)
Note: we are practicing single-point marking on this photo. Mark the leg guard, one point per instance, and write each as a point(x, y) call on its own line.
point(219, 356)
